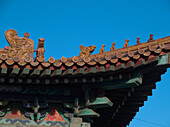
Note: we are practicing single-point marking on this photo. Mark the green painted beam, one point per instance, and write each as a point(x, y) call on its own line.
point(36, 72)
point(100, 69)
point(79, 71)
point(25, 72)
point(4, 71)
point(87, 113)
point(152, 59)
point(120, 66)
point(46, 72)
point(14, 71)
point(110, 68)
point(136, 80)
point(129, 65)
point(90, 70)
point(68, 72)
point(164, 60)
point(140, 62)
point(56, 73)
point(101, 102)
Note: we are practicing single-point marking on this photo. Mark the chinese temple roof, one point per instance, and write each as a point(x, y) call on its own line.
point(113, 70)
point(21, 55)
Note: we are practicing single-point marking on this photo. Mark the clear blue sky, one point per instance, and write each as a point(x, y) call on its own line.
point(66, 24)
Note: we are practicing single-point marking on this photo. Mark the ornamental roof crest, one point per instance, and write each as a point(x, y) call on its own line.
point(19, 47)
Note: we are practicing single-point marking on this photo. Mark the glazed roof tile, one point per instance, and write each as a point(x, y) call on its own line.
point(120, 55)
point(126, 55)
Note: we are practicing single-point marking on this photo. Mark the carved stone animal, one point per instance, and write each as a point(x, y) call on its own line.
point(138, 40)
point(113, 47)
point(150, 38)
point(86, 51)
point(126, 43)
point(40, 50)
point(102, 49)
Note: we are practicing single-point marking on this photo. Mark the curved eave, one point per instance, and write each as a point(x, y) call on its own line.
point(127, 101)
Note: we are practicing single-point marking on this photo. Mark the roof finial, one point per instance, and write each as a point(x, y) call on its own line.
point(126, 43)
point(113, 47)
point(138, 40)
point(150, 38)
point(102, 49)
